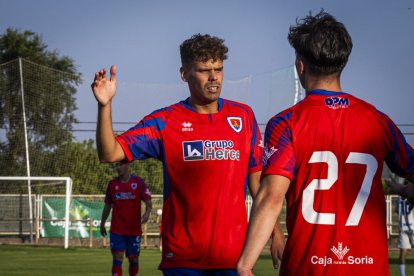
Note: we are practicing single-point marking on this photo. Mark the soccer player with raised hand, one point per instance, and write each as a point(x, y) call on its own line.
point(211, 150)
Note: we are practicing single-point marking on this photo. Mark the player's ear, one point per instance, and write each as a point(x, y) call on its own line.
point(300, 66)
point(183, 73)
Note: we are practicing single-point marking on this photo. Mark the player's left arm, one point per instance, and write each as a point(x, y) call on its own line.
point(146, 197)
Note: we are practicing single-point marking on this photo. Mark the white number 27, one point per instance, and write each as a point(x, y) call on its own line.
point(329, 158)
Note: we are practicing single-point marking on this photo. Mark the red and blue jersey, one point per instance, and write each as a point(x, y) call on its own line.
point(207, 159)
point(125, 198)
point(332, 146)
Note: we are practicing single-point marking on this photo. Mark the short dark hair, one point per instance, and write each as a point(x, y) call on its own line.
point(322, 41)
point(202, 48)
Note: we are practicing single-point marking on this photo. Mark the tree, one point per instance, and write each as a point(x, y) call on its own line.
point(49, 85)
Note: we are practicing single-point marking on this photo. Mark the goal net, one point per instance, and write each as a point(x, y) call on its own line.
point(24, 205)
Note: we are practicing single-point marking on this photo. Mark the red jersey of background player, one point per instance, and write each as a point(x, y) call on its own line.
point(207, 159)
point(321, 145)
point(126, 198)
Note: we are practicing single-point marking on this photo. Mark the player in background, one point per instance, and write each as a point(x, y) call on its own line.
point(211, 150)
point(406, 227)
point(326, 155)
point(124, 195)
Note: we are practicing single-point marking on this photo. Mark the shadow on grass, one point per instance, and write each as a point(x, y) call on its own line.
point(395, 261)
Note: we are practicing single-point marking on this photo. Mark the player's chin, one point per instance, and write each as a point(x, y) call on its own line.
point(213, 96)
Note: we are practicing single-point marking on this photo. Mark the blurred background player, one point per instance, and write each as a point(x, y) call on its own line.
point(210, 148)
point(326, 155)
point(124, 195)
point(406, 227)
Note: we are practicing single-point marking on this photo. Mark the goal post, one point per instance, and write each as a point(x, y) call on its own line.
point(41, 184)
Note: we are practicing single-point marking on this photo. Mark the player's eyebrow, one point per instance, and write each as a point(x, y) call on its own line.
point(209, 68)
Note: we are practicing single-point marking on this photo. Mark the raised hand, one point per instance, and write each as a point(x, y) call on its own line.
point(104, 89)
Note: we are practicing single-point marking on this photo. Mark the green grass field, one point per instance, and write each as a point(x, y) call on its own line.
point(34, 260)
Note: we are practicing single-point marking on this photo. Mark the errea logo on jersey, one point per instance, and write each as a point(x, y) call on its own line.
point(337, 102)
point(210, 150)
point(340, 252)
point(187, 126)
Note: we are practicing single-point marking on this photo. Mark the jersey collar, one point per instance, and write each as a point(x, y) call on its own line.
point(323, 92)
point(188, 106)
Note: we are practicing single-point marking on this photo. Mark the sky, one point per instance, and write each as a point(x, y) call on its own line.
point(142, 38)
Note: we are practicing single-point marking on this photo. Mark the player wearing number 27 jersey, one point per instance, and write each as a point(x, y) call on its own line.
point(325, 156)
point(332, 146)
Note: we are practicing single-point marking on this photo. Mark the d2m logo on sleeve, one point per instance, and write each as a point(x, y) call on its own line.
point(193, 150)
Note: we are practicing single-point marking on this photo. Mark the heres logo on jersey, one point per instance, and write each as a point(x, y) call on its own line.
point(337, 102)
point(210, 150)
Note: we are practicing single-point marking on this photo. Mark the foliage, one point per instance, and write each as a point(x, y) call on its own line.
point(89, 175)
point(49, 84)
point(42, 85)
point(151, 171)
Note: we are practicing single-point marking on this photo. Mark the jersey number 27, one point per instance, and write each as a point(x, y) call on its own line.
point(330, 159)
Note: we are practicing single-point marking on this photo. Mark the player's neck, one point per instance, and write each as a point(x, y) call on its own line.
point(208, 108)
point(323, 83)
point(124, 178)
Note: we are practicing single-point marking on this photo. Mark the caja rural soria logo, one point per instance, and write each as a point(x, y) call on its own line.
point(341, 257)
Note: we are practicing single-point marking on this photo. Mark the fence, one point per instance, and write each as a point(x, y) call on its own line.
point(85, 221)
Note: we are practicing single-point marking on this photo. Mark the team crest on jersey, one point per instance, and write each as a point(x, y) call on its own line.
point(235, 123)
point(134, 186)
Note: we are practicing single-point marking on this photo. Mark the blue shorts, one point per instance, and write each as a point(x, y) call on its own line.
point(198, 272)
point(130, 244)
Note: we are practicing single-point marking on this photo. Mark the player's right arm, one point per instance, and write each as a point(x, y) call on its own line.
point(105, 213)
point(104, 90)
point(266, 209)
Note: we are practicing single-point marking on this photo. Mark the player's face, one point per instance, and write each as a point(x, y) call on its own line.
point(121, 168)
point(204, 81)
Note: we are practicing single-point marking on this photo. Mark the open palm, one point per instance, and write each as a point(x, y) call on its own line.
point(104, 89)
